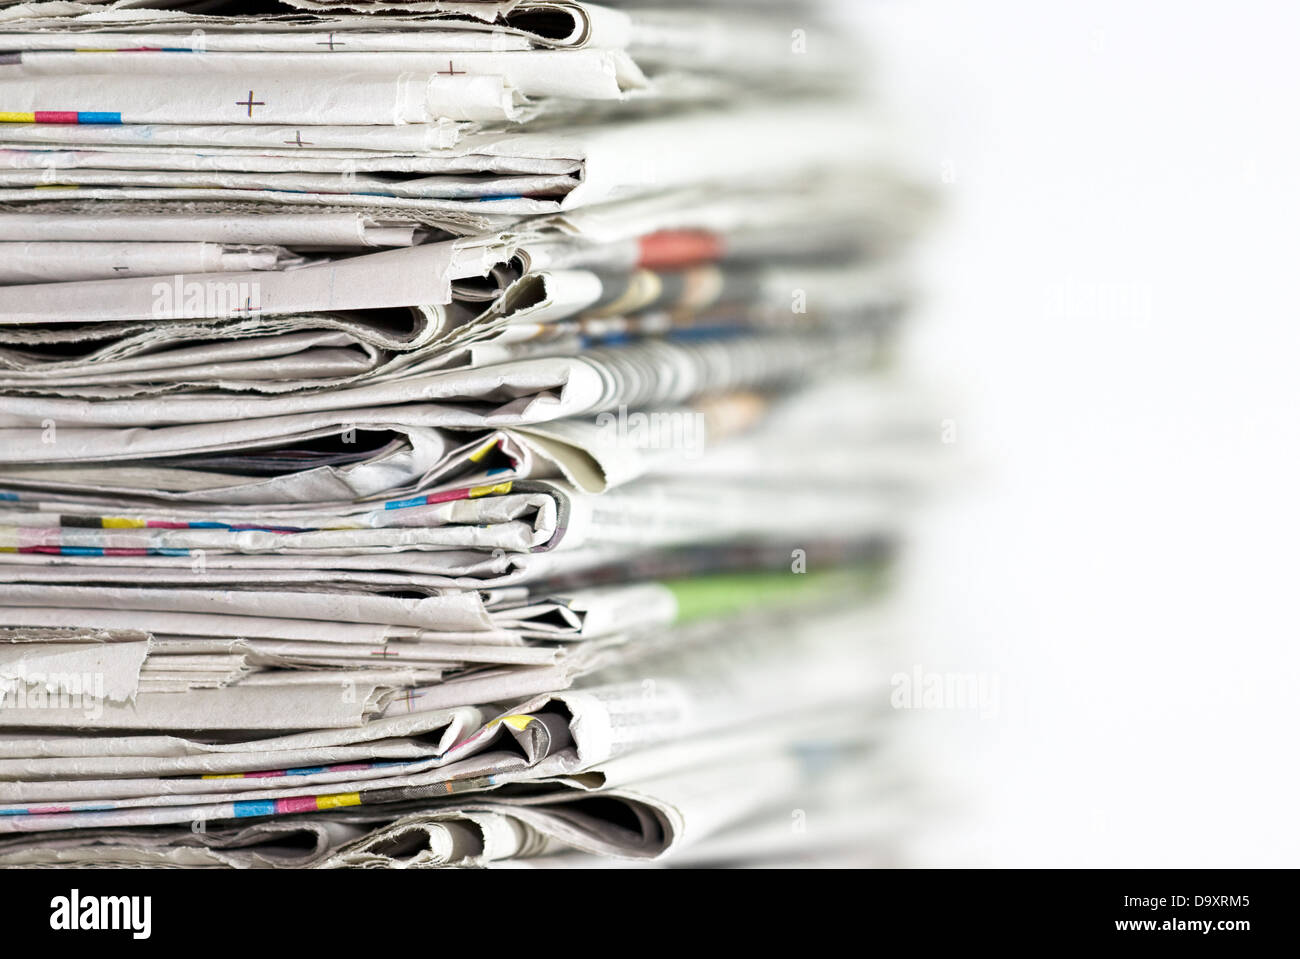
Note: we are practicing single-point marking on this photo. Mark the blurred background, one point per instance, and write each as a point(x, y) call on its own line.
point(1110, 299)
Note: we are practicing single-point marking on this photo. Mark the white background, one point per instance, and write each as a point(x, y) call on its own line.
point(1112, 307)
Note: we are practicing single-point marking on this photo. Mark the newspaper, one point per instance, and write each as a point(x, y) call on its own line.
point(43, 262)
point(445, 432)
point(413, 658)
point(610, 716)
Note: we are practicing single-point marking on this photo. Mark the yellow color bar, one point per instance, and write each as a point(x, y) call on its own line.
point(488, 447)
point(338, 799)
point(121, 522)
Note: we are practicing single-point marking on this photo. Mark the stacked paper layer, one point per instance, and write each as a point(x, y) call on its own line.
point(445, 433)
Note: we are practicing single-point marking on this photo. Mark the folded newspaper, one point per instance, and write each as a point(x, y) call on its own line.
point(448, 434)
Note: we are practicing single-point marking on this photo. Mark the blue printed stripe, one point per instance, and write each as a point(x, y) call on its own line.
point(254, 807)
point(403, 503)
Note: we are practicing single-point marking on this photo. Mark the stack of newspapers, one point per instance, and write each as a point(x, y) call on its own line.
point(447, 433)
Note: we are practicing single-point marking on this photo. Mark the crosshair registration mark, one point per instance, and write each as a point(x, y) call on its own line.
point(250, 103)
